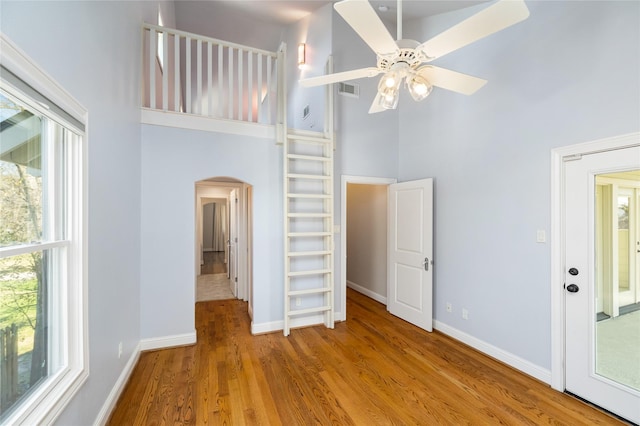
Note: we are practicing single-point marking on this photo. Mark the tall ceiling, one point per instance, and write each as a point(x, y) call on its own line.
point(236, 20)
point(286, 12)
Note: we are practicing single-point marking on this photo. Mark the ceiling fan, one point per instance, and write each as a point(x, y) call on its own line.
point(405, 59)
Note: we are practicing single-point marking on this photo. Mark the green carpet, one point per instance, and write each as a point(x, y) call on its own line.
point(618, 353)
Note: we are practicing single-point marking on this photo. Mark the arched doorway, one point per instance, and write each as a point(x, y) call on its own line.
point(227, 235)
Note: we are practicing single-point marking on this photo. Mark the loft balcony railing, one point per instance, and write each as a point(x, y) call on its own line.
point(190, 74)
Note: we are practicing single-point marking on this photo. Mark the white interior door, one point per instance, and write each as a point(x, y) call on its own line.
point(602, 358)
point(233, 241)
point(410, 272)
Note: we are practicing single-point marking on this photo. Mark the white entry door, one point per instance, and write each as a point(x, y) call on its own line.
point(410, 252)
point(602, 355)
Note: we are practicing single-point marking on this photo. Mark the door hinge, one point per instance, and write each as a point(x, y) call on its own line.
point(236, 279)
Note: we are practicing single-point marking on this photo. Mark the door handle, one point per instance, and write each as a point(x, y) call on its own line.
point(425, 263)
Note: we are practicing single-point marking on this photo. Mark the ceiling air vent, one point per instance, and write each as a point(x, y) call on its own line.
point(349, 89)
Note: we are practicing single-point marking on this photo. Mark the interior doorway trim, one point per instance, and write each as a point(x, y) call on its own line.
point(558, 156)
point(341, 315)
point(245, 243)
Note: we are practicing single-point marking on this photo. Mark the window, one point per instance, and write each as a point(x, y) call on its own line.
point(42, 285)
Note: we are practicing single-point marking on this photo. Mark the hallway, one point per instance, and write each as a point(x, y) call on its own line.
point(213, 263)
point(213, 283)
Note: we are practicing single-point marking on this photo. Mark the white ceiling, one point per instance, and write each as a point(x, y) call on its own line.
point(286, 12)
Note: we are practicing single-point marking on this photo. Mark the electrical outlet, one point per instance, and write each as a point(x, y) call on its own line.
point(449, 307)
point(465, 314)
point(119, 350)
point(298, 301)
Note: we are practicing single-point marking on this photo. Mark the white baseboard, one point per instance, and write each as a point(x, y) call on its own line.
point(508, 358)
point(269, 327)
point(266, 327)
point(143, 345)
point(168, 341)
point(360, 289)
point(116, 391)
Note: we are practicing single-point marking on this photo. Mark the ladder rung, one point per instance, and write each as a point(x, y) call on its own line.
point(309, 253)
point(322, 196)
point(309, 234)
point(307, 157)
point(302, 132)
point(309, 310)
point(309, 215)
point(309, 138)
point(309, 291)
point(303, 176)
point(305, 273)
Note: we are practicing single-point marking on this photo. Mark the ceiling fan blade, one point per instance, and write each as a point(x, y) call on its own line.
point(491, 20)
point(375, 105)
point(340, 76)
point(451, 80)
point(361, 16)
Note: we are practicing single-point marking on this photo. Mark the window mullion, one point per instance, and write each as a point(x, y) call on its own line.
point(30, 248)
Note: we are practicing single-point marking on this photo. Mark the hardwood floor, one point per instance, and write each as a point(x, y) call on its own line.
point(213, 263)
point(372, 369)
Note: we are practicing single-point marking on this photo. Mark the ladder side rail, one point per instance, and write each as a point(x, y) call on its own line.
point(281, 137)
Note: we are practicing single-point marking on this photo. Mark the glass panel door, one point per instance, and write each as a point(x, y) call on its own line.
point(617, 322)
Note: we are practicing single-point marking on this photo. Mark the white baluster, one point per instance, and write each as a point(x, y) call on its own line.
point(269, 89)
point(152, 68)
point(250, 86)
point(230, 102)
point(240, 84)
point(220, 78)
point(176, 73)
point(165, 74)
point(198, 109)
point(259, 88)
point(209, 81)
point(187, 51)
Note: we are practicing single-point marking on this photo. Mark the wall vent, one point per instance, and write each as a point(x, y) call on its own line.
point(349, 89)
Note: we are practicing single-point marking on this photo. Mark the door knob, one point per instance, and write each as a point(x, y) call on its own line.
point(573, 288)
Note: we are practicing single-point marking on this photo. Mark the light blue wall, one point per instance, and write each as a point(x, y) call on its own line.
point(311, 30)
point(568, 74)
point(93, 50)
point(366, 144)
point(173, 160)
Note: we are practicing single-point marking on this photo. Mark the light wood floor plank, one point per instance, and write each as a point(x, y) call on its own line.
point(371, 369)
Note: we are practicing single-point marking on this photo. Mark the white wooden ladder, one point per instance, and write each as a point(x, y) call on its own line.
point(308, 195)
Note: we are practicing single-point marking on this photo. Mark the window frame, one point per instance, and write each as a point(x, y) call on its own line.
point(46, 402)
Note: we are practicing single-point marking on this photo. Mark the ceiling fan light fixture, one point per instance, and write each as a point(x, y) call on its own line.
point(419, 87)
point(389, 89)
point(389, 99)
point(403, 59)
point(390, 80)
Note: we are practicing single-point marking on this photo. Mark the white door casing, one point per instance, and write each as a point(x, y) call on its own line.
point(410, 252)
point(579, 306)
point(233, 241)
point(341, 306)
